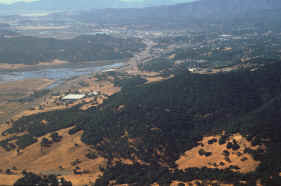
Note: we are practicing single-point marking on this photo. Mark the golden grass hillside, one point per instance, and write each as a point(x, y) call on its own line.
point(57, 159)
point(219, 156)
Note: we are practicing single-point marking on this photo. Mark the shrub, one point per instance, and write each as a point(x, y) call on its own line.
point(74, 130)
point(31, 179)
point(222, 140)
point(214, 140)
point(46, 142)
point(55, 137)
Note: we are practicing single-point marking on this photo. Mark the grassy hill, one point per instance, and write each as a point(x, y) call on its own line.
point(146, 131)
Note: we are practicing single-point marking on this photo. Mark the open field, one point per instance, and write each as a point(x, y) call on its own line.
point(53, 159)
point(16, 110)
point(4, 66)
point(13, 91)
point(220, 156)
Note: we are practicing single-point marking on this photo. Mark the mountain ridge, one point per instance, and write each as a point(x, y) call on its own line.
point(185, 14)
point(196, 7)
point(64, 5)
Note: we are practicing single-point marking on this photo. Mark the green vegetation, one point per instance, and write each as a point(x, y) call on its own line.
point(31, 50)
point(156, 65)
point(33, 96)
point(32, 179)
point(25, 141)
point(202, 152)
point(56, 137)
point(46, 142)
point(163, 176)
point(212, 50)
point(56, 120)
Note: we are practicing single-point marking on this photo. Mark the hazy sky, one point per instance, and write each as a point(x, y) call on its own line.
point(13, 1)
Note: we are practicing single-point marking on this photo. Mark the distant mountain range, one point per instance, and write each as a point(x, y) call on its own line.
point(196, 8)
point(198, 12)
point(51, 5)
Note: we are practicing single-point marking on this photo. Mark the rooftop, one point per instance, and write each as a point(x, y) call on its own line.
point(73, 96)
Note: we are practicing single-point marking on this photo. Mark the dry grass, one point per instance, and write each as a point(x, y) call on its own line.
point(104, 87)
point(89, 103)
point(56, 62)
point(224, 69)
point(8, 179)
point(157, 79)
point(123, 160)
point(3, 128)
point(52, 107)
point(15, 90)
point(205, 183)
point(149, 76)
point(24, 86)
point(172, 56)
point(192, 158)
point(49, 160)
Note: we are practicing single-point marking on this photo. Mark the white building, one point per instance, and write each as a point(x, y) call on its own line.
point(73, 96)
point(192, 69)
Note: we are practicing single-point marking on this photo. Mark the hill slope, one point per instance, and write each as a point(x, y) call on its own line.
point(83, 48)
point(146, 131)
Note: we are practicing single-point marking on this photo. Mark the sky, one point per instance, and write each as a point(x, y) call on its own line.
point(13, 1)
